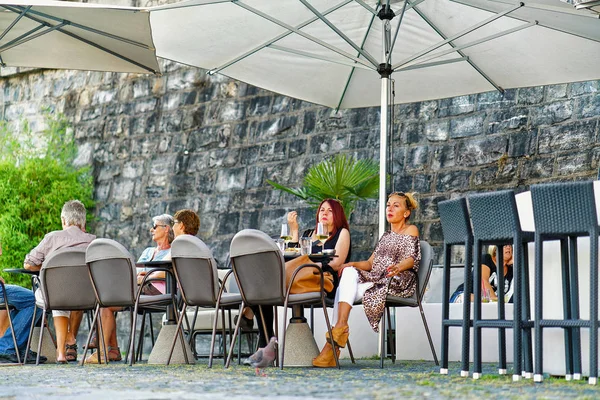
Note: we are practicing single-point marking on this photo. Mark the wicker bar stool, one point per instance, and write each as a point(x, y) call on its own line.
point(456, 228)
point(566, 211)
point(496, 222)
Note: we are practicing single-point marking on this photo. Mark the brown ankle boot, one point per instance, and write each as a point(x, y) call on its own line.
point(326, 358)
point(340, 335)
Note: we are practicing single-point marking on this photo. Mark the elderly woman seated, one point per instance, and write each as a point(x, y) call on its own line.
point(164, 229)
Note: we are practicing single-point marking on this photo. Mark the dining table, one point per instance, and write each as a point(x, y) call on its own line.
point(301, 347)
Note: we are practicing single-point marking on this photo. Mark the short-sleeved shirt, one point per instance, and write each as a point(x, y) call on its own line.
point(69, 237)
point(153, 254)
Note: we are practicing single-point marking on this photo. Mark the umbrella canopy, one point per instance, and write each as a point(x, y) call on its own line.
point(327, 52)
point(343, 53)
point(65, 35)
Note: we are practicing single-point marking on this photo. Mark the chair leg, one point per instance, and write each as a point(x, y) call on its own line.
point(526, 312)
point(140, 346)
point(89, 338)
point(476, 311)
point(350, 352)
point(329, 329)
point(193, 326)
point(517, 308)
point(28, 338)
point(466, 324)
point(132, 336)
point(382, 349)
point(593, 379)
point(426, 326)
point(177, 331)
point(576, 335)
point(539, 296)
point(235, 333)
point(37, 359)
point(566, 295)
point(101, 343)
point(446, 308)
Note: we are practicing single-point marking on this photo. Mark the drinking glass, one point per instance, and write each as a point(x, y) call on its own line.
point(305, 245)
point(285, 234)
point(322, 234)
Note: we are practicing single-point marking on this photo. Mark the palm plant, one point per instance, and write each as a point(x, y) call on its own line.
point(342, 178)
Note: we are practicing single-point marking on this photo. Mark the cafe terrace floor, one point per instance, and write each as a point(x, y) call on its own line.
point(405, 379)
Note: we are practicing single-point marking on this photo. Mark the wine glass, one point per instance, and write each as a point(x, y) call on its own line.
point(285, 234)
point(322, 234)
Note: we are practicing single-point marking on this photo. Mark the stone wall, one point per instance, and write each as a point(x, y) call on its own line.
point(186, 139)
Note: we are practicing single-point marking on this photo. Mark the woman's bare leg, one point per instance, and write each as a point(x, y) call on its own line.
point(343, 314)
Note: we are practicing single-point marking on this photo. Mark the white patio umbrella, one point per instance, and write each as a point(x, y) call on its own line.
point(66, 35)
point(335, 52)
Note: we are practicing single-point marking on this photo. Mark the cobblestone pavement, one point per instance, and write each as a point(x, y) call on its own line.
point(405, 379)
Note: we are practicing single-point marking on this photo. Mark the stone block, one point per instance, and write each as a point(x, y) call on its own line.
point(170, 122)
point(582, 88)
point(254, 176)
point(233, 110)
point(417, 158)
point(422, 183)
point(551, 113)
point(480, 151)
point(309, 122)
point(537, 168)
point(588, 106)
point(414, 132)
point(209, 137)
point(283, 104)
point(108, 172)
point(259, 106)
point(145, 105)
point(572, 164)
point(502, 173)
point(249, 220)
point(456, 106)
point(162, 164)
point(143, 124)
point(452, 180)
point(296, 148)
point(228, 224)
point(403, 112)
point(531, 95)
point(153, 192)
point(443, 156)
point(522, 143)
point(328, 143)
point(133, 169)
point(249, 155)
point(436, 131)
point(556, 92)
point(428, 110)
point(197, 162)
point(403, 182)
point(471, 125)
point(571, 136)
point(507, 119)
point(141, 88)
point(223, 158)
point(496, 99)
point(274, 151)
point(123, 190)
point(230, 179)
point(182, 186)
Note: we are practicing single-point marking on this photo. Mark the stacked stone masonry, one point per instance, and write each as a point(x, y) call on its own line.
point(189, 140)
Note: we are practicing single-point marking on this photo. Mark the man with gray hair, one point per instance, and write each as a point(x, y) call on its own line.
point(66, 323)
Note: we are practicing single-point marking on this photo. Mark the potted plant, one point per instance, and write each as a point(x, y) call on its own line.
point(342, 178)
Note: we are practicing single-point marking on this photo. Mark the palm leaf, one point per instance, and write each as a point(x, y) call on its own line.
point(341, 178)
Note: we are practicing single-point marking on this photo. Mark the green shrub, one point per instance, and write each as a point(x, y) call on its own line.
point(36, 179)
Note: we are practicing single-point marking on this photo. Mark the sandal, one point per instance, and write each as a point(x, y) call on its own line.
point(71, 352)
point(114, 354)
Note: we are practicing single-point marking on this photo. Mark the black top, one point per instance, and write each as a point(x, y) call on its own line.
point(329, 244)
point(508, 278)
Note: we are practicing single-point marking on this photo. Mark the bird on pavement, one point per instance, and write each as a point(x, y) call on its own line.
point(263, 357)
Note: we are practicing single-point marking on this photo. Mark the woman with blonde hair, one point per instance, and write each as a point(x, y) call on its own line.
point(396, 259)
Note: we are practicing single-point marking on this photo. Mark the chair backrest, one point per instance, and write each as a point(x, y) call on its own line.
point(494, 215)
point(113, 272)
point(65, 280)
point(425, 266)
point(258, 267)
point(564, 208)
point(454, 217)
point(195, 270)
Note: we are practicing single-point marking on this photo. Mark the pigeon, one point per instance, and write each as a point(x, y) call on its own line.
point(263, 357)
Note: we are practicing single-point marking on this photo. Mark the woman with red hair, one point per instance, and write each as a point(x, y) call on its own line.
point(331, 214)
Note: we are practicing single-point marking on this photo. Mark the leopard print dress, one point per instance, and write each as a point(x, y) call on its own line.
point(391, 249)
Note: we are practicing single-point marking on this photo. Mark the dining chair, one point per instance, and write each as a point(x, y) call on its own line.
point(566, 211)
point(65, 285)
point(496, 222)
point(259, 271)
point(196, 272)
point(4, 303)
point(456, 228)
point(114, 281)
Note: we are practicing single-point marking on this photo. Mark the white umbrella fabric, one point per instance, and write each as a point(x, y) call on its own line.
point(66, 35)
point(342, 53)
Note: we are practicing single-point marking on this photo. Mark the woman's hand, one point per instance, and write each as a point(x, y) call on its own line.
point(140, 277)
point(292, 220)
point(393, 270)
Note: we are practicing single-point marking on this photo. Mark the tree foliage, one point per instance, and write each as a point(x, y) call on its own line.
point(36, 178)
point(342, 178)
